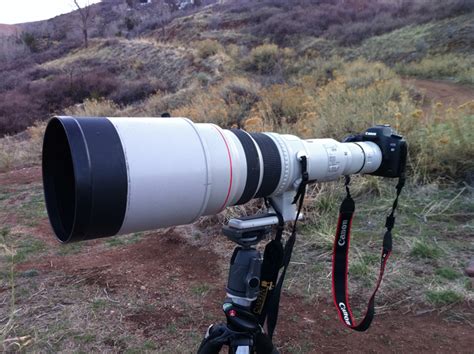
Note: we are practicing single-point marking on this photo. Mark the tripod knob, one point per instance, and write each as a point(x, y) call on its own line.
point(240, 319)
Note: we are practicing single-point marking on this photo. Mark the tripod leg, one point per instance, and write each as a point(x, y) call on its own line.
point(260, 344)
point(241, 346)
point(264, 345)
point(243, 350)
point(215, 338)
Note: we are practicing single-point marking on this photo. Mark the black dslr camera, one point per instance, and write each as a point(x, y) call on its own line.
point(393, 146)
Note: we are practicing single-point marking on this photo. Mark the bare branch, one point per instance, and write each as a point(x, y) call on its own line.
point(85, 13)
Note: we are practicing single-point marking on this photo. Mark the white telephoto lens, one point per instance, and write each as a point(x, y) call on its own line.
point(108, 176)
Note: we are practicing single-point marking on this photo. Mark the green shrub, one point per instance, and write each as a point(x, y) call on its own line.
point(129, 23)
point(443, 297)
point(263, 59)
point(29, 39)
point(203, 78)
point(208, 47)
point(447, 273)
point(421, 249)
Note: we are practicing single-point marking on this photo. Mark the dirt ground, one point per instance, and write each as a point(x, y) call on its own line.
point(448, 93)
point(180, 287)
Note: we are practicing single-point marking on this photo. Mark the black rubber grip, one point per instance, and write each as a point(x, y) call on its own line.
point(253, 166)
point(271, 164)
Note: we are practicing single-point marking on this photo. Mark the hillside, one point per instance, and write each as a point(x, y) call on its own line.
point(45, 69)
point(7, 30)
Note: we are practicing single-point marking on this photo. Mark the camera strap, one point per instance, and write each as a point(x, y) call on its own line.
point(277, 257)
point(340, 261)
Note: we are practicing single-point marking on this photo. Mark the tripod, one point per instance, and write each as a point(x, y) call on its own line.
point(242, 333)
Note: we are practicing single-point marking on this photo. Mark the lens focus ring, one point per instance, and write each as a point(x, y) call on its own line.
point(271, 164)
point(253, 165)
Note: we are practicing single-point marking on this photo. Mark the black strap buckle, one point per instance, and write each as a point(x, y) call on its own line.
point(390, 222)
point(304, 180)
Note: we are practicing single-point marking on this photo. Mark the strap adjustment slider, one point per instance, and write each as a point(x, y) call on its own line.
point(390, 222)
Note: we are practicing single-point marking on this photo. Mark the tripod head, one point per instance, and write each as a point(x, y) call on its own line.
point(242, 332)
point(245, 264)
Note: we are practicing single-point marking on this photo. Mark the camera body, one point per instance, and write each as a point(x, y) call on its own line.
point(392, 145)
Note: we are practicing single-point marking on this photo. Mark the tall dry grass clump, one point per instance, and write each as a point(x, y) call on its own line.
point(268, 59)
point(263, 59)
point(226, 104)
point(22, 150)
point(94, 108)
point(283, 106)
point(441, 144)
point(360, 95)
point(208, 47)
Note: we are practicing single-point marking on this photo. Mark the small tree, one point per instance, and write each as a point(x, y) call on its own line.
point(85, 14)
point(164, 10)
point(30, 41)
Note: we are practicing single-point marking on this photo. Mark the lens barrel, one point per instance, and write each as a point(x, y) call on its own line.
point(109, 176)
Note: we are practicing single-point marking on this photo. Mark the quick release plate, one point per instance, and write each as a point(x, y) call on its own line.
point(249, 230)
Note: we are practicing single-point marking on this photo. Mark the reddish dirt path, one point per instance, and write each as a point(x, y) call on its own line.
point(448, 93)
point(162, 268)
point(22, 176)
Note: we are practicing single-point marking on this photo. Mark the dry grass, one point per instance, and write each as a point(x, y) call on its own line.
point(94, 108)
point(133, 59)
point(48, 311)
point(413, 43)
point(426, 248)
point(23, 149)
point(447, 66)
point(208, 47)
point(362, 94)
point(84, 317)
point(226, 104)
point(452, 154)
point(8, 280)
